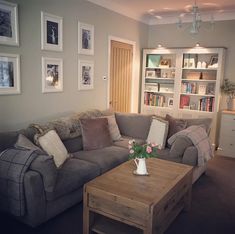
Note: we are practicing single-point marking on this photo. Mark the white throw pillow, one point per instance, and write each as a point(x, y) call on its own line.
point(158, 132)
point(52, 144)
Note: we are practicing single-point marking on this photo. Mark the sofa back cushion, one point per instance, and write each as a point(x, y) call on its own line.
point(206, 122)
point(74, 144)
point(133, 125)
point(7, 140)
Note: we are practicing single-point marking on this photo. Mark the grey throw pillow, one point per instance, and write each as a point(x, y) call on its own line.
point(175, 125)
point(24, 143)
point(95, 133)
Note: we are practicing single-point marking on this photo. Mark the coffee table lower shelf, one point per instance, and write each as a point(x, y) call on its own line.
point(105, 225)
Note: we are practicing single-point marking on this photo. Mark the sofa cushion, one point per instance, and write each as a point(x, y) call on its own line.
point(113, 128)
point(124, 141)
point(7, 140)
point(45, 166)
point(175, 125)
point(158, 132)
point(95, 133)
point(106, 158)
point(206, 122)
point(74, 144)
point(51, 143)
point(134, 125)
point(24, 143)
point(165, 154)
point(71, 176)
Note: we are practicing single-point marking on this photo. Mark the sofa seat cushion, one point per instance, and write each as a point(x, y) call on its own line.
point(73, 174)
point(124, 141)
point(106, 158)
point(165, 154)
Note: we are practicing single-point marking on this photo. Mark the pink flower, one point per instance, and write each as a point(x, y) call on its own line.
point(131, 151)
point(129, 146)
point(148, 149)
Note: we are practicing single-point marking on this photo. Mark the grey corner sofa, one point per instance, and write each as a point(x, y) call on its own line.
point(49, 191)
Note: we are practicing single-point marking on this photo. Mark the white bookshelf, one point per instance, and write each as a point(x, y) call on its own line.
point(201, 97)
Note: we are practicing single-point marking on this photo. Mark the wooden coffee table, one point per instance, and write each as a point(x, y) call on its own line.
point(121, 202)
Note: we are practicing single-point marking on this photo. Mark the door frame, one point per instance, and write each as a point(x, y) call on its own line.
point(134, 68)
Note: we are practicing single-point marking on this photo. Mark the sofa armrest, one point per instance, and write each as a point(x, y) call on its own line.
point(190, 156)
point(179, 146)
point(35, 199)
point(45, 166)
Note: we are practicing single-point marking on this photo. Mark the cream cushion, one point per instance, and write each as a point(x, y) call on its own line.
point(52, 144)
point(158, 132)
point(113, 128)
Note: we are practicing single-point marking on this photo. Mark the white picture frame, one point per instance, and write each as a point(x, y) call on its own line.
point(85, 39)
point(52, 75)
point(9, 29)
point(51, 32)
point(170, 102)
point(9, 74)
point(202, 89)
point(85, 75)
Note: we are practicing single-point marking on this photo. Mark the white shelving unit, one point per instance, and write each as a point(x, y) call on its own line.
point(189, 77)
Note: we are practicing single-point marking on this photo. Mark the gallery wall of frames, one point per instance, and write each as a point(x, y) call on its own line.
point(51, 40)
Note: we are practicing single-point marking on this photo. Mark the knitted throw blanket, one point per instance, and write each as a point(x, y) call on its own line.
point(200, 139)
point(13, 165)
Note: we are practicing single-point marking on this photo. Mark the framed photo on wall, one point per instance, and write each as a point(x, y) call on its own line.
point(170, 102)
point(9, 34)
point(52, 75)
point(9, 74)
point(85, 75)
point(51, 32)
point(85, 39)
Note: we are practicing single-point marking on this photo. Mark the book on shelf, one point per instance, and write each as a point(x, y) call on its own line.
point(206, 104)
point(188, 87)
point(184, 101)
point(153, 99)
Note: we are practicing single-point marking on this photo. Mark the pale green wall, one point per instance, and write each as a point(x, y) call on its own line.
point(17, 111)
point(223, 35)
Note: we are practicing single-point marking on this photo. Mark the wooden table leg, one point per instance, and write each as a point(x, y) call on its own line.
point(88, 216)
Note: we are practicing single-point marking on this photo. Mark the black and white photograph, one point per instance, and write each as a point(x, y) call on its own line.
point(85, 39)
point(170, 102)
point(5, 23)
point(9, 74)
point(52, 75)
point(51, 32)
point(86, 71)
point(52, 78)
point(8, 23)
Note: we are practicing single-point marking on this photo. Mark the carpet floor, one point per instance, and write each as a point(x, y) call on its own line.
point(212, 211)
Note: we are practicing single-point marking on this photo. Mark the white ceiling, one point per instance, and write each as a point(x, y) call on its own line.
point(168, 11)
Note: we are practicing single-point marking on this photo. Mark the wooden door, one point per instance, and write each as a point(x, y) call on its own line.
point(121, 60)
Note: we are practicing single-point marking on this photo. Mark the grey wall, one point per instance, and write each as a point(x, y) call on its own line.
point(223, 35)
point(17, 111)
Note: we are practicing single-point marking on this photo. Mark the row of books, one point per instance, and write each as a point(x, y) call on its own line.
point(153, 99)
point(206, 104)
